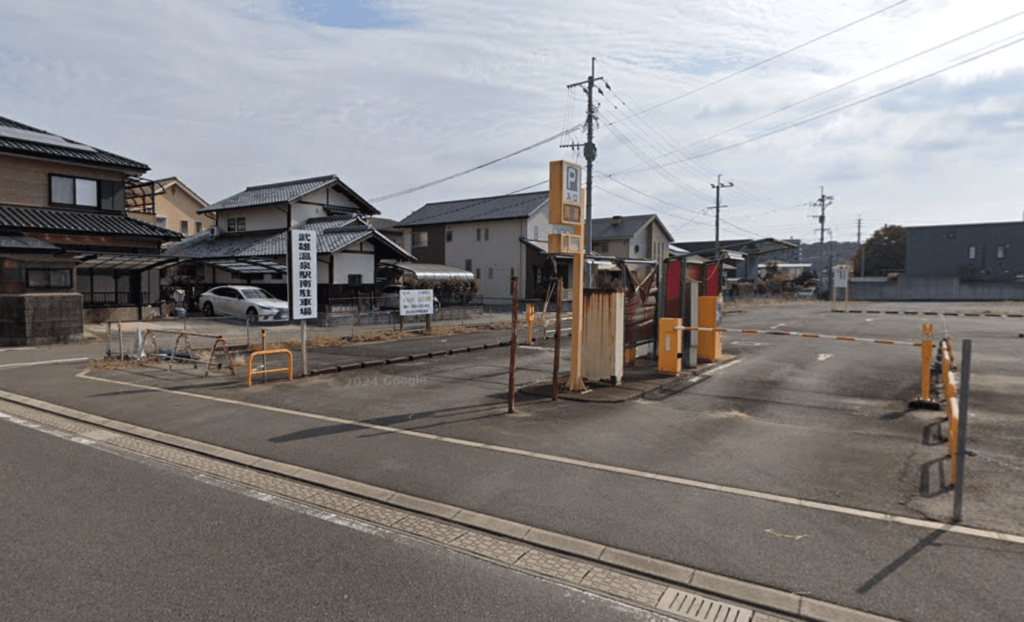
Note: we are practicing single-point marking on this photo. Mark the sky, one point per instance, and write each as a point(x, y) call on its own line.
point(904, 112)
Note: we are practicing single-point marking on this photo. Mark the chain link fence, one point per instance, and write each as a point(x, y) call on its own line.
point(338, 320)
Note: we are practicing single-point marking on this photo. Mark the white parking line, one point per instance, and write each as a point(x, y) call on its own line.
point(681, 481)
point(53, 362)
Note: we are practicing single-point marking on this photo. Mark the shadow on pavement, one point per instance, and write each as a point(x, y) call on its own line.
point(884, 573)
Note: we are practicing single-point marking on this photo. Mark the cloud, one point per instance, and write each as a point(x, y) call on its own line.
point(241, 92)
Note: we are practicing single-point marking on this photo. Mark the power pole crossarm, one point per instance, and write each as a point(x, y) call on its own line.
point(590, 154)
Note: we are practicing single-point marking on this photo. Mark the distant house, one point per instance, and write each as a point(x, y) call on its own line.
point(175, 206)
point(248, 243)
point(632, 237)
point(489, 236)
point(746, 254)
point(69, 253)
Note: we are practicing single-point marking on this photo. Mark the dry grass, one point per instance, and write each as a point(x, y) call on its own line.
point(331, 341)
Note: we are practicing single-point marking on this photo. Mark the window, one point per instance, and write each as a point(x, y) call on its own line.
point(236, 224)
point(487, 234)
point(74, 191)
point(1000, 252)
point(419, 238)
point(469, 265)
point(184, 227)
point(536, 232)
point(199, 227)
point(241, 224)
point(448, 235)
point(48, 278)
point(971, 252)
point(161, 221)
point(478, 273)
point(490, 273)
point(478, 232)
point(355, 279)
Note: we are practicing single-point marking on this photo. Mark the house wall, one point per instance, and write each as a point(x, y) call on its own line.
point(175, 205)
point(305, 209)
point(353, 263)
point(493, 258)
point(26, 181)
point(256, 218)
point(435, 251)
point(944, 251)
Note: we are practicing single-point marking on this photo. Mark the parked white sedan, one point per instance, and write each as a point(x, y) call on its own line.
point(245, 301)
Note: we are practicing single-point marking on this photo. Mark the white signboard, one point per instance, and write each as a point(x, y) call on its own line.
point(303, 274)
point(842, 277)
point(416, 302)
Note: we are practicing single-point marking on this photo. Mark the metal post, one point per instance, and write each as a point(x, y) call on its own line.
point(263, 346)
point(512, 345)
point(108, 339)
point(558, 340)
point(961, 440)
point(305, 369)
point(120, 343)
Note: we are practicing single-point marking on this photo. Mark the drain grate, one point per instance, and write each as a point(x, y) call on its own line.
point(700, 609)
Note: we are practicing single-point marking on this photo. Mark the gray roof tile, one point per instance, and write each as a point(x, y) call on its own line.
point(333, 234)
point(471, 210)
point(286, 192)
point(79, 221)
point(26, 140)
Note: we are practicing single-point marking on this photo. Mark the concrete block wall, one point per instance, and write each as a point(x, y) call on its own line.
point(40, 319)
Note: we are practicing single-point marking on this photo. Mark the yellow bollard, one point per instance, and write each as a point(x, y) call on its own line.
point(926, 369)
point(670, 347)
point(709, 344)
point(529, 322)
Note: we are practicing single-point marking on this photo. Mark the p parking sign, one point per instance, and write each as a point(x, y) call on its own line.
point(565, 193)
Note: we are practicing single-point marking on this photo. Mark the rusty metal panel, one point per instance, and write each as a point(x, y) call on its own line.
point(603, 339)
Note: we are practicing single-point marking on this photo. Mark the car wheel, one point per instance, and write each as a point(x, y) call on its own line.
point(208, 309)
point(251, 316)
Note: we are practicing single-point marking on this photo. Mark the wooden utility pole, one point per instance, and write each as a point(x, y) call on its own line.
point(558, 339)
point(512, 345)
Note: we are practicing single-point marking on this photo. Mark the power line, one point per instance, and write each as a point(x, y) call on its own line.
point(819, 115)
point(845, 84)
point(775, 57)
point(475, 168)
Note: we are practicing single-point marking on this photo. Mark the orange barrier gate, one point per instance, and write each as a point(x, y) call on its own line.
point(252, 356)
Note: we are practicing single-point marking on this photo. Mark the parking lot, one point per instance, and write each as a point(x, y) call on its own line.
point(797, 465)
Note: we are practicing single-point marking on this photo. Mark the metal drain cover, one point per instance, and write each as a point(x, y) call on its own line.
point(701, 609)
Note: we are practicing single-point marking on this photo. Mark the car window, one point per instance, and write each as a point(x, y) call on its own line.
point(223, 291)
point(255, 294)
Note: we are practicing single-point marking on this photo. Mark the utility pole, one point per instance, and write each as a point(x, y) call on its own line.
point(862, 253)
point(824, 202)
point(718, 207)
point(589, 154)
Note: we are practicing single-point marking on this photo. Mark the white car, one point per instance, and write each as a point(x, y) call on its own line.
point(246, 301)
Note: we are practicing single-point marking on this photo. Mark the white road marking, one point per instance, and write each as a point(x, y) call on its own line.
point(681, 481)
point(16, 349)
point(824, 357)
point(776, 327)
point(81, 359)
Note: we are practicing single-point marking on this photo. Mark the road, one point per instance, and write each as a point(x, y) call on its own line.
point(96, 535)
point(796, 467)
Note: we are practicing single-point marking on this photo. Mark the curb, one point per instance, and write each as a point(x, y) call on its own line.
point(751, 594)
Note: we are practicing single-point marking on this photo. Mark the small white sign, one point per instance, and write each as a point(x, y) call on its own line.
point(416, 302)
point(842, 277)
point(303, 274)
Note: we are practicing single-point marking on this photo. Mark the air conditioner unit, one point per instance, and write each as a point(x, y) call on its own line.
point(215, 231)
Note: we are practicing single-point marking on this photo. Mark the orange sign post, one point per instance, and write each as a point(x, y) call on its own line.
point(565, 209)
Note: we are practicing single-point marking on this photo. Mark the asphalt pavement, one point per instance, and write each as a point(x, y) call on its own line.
point(796, 466)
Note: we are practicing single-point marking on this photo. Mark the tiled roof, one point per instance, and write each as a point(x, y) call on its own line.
point(26, 140)
point(286, 192)
point(69, 221)
point(471, 210)
point(606, 229)
point(333, 235)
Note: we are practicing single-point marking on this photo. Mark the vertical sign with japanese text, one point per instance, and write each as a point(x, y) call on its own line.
point(303, 272)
